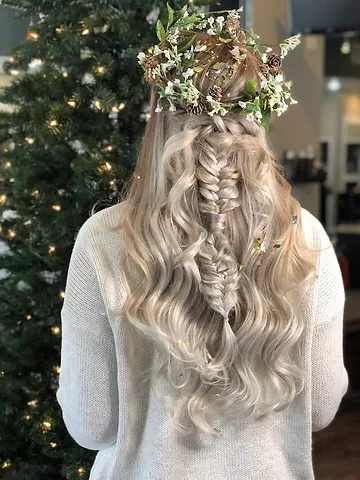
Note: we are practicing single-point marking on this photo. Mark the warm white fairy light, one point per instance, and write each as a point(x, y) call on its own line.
point(112, 182)
point(46, 426)
point(107, 166)
point(52, 249)
point(97, 104)
point(30, 140)
point(55, 330)
point(33, 403)
point(59, 30)
point(86, 31)
point(81, 471)
point(62, 295)
point(35, 193)
point(53, 444)
point(115, 109)
point(57, 208)
point(7, 164)
point(11, 59)
point(122, 106)
point(34, 35)
point(11, 234)
point(11, 180)
point(14, 72)
point(6, 464)
point(28, 317)
point(27, 417)
point(100, 69)
point(65, 74)
point(72, 103)
point(108, 148)
point(57, 369)
point(2, 374)
point(3, 199)
point(53, 123)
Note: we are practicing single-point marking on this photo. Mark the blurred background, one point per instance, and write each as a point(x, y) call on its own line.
point(317, 141)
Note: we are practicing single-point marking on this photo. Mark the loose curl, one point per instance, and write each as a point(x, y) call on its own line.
point(205, 188)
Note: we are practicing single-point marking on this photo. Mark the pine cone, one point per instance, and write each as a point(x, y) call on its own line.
point(195, 109)
point(148, 64)
point(264, 69)
point(240, 38)
point(233, 25)
point(216, 92)
point(274, 62)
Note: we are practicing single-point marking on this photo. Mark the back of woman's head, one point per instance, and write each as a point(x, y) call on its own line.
point(210, 222)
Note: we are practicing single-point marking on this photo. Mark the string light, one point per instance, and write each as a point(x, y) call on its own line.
point(11, 180)
point(2, 374)
point(57, 369)
point(112, 182)
point(65, 74)
point(97, 104)
point(30, 140)
point(100, 69)
point(46, 426)
point(62, 295)
point(108, 148)
point(115, 109)
point(81, 471)
point(55, 330)
point(56, 207)
point(27, 417)
point(33, 35)
point(35, 193)
point(11, 59)
point(122, 106)
point(107, 166)
point(52, 249)
point(53, 444)
point(86, 31)
point(3, 199)
point(33, 403)
point(6, 464)
point(7, 164)
point(11, 234)
point(53, 123)
point(28, 317)
point(59, 30)
point(14, 72)
point(72, 103)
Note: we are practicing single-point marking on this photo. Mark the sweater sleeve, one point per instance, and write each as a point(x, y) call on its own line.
point(329, 377)
point(87, 392)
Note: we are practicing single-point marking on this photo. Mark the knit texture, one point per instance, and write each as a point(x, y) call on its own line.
point(108, 406)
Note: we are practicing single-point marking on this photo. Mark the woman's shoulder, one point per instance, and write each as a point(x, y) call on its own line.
point(315, 233)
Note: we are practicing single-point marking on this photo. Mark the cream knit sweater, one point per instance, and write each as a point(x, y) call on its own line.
point(106, 407)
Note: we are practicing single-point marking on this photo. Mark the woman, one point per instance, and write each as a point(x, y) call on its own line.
point(202, 323)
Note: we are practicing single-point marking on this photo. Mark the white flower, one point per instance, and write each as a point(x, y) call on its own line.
point(242, 104)
point(210, 31)
point(264, 84)
point(278, 88)
point(157, 50)
point(141, 56)
point(189, 53)
point(258, 115)
point(4, 273)
point(189, 73)
point(10, 215)
point(279, 78)
point(177, 82)
point(186, 14)
point(153, 15)
point(88, 79)
point(211, 21)
point(250, 117)
point(293, 102)
point(200, 48)
point(169, 90)
point(172, 107)
point(159, 108)
point(4, 248)
point(223, 111)
point(235, 51)
point(264, 57)
point(269, 49)
point(22, 286)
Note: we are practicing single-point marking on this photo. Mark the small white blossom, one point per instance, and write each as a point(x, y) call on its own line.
point(258, 115)
point(211, 21)
point(242, 104)
point(264, 57)
point(293, 102)
point(279, 78)
point(172, 107)
point(235, 52)
point(269, 49)
point(186, 14)
point(159, 109)
point(210, 31)
point(189, 53)
point(157, 50)
point(250, 117)
point(189, 73)
point(141, 56)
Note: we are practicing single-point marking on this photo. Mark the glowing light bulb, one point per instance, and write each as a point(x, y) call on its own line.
point(62, 295)
point(72, 103)
point(100, 69)
point(34, 35)
point(107, 166)
point(81, 471)
point(112, 182)
point(57, 369)
point(6, 464)
point(30, 140)
point(86, 31)
point(59, 30)
point(52, 249)
point(11, 59)
point(12, 234)
point(28, 317)
point(108, 148)
point(138, 176)
point(3, 199)
point(53, 444)
point(11, 180)
point(35, 193)
point(122, 106)
point(345, 48)
point(65, 74)
point(97, 104)
point(14, 72)
point(53, 123)
point(46, 426)
point(55, 330)
point(33, 403)
point(115, 109)
point(7, 164)
point(2, 374)
point(27, 417)
point(56, 207)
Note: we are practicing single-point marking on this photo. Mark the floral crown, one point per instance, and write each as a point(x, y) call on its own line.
point(173, 64)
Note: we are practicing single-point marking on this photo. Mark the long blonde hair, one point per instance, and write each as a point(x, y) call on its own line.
point(208, 220)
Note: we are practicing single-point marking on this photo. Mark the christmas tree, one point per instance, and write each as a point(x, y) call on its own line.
point(70, 125)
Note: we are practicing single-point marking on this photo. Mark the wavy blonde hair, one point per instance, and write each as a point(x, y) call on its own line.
point(204, 190)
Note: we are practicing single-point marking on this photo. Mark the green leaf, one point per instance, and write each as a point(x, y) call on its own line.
point(160, 30)
point(181, 13)
point(250, 87)
point(170, 15)
point(192, 19)
point(266, 117)
point(186, 45)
